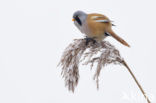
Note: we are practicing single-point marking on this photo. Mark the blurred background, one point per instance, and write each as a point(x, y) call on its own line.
point(34, 33)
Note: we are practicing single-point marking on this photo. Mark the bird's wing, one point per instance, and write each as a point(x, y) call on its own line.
point(100, 18)
point(102, 21)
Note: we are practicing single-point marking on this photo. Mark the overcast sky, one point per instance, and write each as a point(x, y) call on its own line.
point(34, 33)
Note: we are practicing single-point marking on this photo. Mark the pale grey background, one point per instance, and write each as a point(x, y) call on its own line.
point(34, 33)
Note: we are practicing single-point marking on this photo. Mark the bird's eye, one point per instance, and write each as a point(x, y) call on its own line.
point(76, 16)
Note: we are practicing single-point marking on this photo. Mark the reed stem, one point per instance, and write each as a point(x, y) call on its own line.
point(125, 64)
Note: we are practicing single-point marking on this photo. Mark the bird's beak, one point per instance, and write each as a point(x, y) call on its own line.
point(73, 19)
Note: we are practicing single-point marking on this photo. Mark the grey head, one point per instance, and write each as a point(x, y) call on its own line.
point(79, 17)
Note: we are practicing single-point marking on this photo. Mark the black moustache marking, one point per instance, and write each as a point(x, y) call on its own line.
point(78, 20)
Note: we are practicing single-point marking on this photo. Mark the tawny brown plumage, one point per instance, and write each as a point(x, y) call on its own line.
point(95, 26)
point(97, 29)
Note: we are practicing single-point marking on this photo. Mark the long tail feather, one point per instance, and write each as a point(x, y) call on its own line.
point(118, 38)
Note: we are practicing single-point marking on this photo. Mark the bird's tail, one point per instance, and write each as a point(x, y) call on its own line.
point(118, 38)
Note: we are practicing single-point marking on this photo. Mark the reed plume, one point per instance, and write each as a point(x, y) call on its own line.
point(102, 53)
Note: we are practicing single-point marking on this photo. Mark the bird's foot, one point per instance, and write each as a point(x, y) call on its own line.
point(90, 40)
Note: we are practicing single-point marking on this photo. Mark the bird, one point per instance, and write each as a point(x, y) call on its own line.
point(95, 26)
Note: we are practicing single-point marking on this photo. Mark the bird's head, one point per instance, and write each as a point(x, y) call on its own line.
point(79, 17)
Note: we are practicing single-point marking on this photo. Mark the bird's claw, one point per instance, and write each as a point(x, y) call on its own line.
point(89, 40)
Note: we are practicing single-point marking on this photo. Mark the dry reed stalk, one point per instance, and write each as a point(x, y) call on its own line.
point(72, 55)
